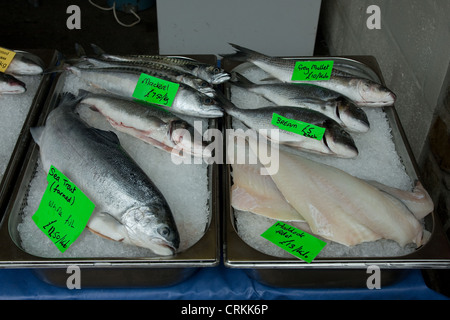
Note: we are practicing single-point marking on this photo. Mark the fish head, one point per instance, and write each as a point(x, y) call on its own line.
point(339, 141)
point(204, 87)
point(374, 94)
point(29, 67)
point(210, 107)
point(214, 74)
point(185, 137)
point(354, 118)
point(11, 85)
point(153, 228)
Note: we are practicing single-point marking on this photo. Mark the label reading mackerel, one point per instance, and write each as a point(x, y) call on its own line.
point(298, 127)
point(312, 70)
point(156, 91)
point(295, 241)
point(6, 57)
point(64, 210)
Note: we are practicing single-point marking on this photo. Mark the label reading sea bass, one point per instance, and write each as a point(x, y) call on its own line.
point(298, 127)
point(312, 70)
point(6, 57)
point(64, 210)
point(156, 91)
point(295, 241)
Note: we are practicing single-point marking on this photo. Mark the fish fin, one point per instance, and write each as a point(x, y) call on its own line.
point(106, 226)
point(108, 135)
point(83, 93)
point(36, 133)
point(241, 81)
point(270, 79)
point(79, 50)
point(97, 50)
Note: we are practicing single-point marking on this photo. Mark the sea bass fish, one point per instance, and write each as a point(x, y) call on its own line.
point(123, 81)
point(205, 71)
point(128, 206)
point(344, 208)
point(311, 97)
point(363, 92)
point(152, 125)
point(335, 141)
point(11, 85)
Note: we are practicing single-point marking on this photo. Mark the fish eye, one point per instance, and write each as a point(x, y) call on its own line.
point(208, 101)
point(164, 231)
point(216, 70)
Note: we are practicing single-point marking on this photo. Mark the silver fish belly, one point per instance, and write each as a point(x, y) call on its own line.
point(129, 207)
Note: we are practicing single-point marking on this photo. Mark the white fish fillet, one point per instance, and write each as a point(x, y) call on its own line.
point(258, 194)
point(342, 208)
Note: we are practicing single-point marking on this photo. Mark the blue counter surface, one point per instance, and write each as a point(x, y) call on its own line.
point(217, 283)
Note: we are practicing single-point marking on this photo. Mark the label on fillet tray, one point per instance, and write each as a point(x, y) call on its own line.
point(295, 241)
point(6, 57)
point(298, 127)
point(64, 210)
point(155, 91)
point(319, 70)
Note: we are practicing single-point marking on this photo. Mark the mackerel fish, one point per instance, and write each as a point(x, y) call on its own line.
point(128, 206)
point(205, 71)
point(122, 81)
point(363, 92)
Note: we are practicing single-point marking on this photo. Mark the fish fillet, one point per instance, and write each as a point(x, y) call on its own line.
point(341, 207)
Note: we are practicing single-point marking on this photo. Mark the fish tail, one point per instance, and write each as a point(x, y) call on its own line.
point(79, 50)
point(241, 81)
point(97, 50)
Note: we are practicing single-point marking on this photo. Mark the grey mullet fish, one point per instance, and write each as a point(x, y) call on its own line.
point(152, 125)
point(122, 82)
point(205, 71)
point(311, 97)
point(363, 92)
point(11, 85)
point(128, 206)
point(335, 142)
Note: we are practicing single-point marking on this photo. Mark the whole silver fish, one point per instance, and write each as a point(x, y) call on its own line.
point(123, 81)
point(311, 97)
point(335, 142)
point(11, 85)
point(363, 92)
point(25, 64)
point(153, 69)
point(205, 71)
point(152, 125)
point(128, 206)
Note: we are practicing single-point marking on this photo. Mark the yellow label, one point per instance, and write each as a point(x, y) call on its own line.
point(6, 57)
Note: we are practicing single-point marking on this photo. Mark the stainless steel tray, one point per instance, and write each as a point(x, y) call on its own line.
point(326, 272)
point(107, 272)
point(19, 150)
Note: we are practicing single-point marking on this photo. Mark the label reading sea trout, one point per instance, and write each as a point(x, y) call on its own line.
point(312, 70)
point(295, 241)
point(298, 127)
point(156, 91)
point(64, 210)
point(6, 57)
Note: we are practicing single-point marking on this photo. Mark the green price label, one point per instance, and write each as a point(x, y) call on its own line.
point(156, 91)
point(64, 210)
point(312, 70)
point(295, 241)
point(298, 127)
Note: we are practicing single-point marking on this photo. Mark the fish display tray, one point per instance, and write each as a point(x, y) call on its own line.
point(47, 58)
point(325, 271)
point(107, 271)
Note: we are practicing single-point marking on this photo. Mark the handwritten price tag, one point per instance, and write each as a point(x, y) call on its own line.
point(298, 127)
point(6, 57)
point(312, 70)
point(156, 91)
point(295, 241)
point(64, 210)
